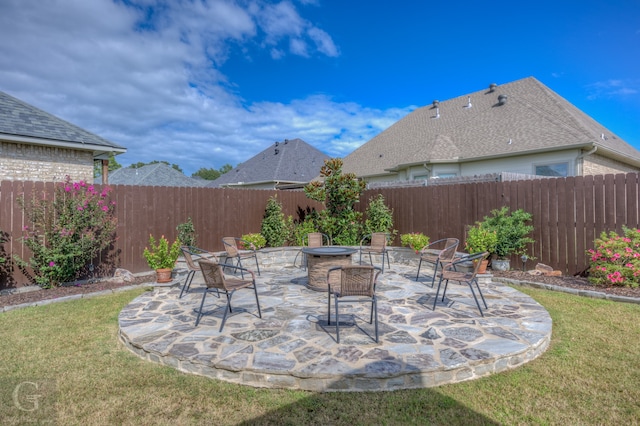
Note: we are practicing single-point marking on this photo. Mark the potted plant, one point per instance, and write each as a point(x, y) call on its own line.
point(416, 240)
point(161, 257)
point(513, 235)
point(479, 239)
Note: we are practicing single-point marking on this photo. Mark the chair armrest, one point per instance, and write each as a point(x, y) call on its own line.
point(237, 268)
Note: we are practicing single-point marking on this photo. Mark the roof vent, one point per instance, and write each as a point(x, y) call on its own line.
point(277, 151)
point(286, 141)
point(277, 143)
point(436, 103)
point(468, 102)
point(492, 87)
point(502, 99)
point(437, 113)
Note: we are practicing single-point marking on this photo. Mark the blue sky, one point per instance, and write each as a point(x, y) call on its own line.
point(203, 83)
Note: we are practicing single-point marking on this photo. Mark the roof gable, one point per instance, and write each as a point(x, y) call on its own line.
point(532, 118)
point(158, 174)
point(291, 161)
point(25, 123)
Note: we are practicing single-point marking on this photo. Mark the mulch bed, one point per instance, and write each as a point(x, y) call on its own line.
point(579, 283)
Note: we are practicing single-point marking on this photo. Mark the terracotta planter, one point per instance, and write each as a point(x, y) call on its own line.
point(163, 275)
point(483, 266)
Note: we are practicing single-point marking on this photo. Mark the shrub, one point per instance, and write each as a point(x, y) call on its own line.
point(300, 230)
point(255, 239)
point(379, 217)
point(339, 192)
point(66, 231)
point(187, 233)
point(615, 260)
point(511, 229)
point(160, 255)
point(416, 240)
point(480, 239)
point(274, 228)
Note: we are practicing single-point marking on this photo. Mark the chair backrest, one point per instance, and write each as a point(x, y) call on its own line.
point(191, 264)
point(212, 273)
point(379, 240)
point(358, 280)
point(230, 246)
point(449, 252)
point(314, 239)
point(477, 259)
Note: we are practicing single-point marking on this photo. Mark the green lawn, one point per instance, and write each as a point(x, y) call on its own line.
point(589, 375)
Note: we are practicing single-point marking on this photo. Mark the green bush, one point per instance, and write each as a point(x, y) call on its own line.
point(339, 192)
point(416, 240)
point(257, 240)
point(300, 230)
point(480, 240)
point(187, 233)
point(66, 231)
point(615, 260)
point(274, 228)
point(512, 231)
point(379, 217)
point(160, 255)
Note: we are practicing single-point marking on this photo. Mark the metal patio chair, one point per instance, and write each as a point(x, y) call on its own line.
point(233, 252)
point(191, 256)
point(438, 253)
point(358, 281)
point(468, 278)
point(312, 239)
point(377, 245)
point(215, 280)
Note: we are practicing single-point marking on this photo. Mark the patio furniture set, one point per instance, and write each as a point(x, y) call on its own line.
point(330, 269)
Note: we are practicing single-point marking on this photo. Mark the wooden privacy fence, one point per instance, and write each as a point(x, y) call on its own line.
point(568, 213)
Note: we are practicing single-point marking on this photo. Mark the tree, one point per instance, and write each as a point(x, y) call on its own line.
point(339, 192)
point(212, 174)
point(113, 165)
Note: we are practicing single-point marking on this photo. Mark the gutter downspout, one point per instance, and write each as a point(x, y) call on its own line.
point(580, 160)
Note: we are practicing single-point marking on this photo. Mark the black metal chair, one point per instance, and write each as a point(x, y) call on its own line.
point(215, 280)
point(438, 253)
point(233, 252)
point(191, 256)
point(469, 278)
point(377, 245)
point(359, 281)
point(312, 239)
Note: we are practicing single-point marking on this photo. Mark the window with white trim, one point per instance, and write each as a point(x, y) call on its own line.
point(557, 169)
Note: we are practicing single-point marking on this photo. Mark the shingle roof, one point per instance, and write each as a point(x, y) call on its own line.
point(291, 161)
point(23, 122)
point(158, 174)
point(533, 119)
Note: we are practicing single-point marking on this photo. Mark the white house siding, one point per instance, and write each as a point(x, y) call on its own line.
point(43, 163)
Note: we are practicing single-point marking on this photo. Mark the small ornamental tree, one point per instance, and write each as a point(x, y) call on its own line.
point(66, 231)
point(187, 233)
point(379, 217)
point(274, 227)
point(339, 193)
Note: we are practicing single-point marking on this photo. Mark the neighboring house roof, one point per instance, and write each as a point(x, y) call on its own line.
point(289, 162)
point(24, 123)
point(530, 118)
point(158, 174)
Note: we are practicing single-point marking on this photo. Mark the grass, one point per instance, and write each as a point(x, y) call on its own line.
point(589, 375)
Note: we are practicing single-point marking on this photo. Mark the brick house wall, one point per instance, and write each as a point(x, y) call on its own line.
point(599, 165)
point(44, 163)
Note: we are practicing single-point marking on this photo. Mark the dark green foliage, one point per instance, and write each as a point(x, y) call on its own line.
point(113, 165)
point(273, 227)
point(512, 231)
point(141, 164)
point(339, 192)
point(212, 174)
point(379, 217)
point(187, 233)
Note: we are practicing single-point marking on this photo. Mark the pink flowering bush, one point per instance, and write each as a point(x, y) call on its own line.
point(615, 260)
point(66, 232)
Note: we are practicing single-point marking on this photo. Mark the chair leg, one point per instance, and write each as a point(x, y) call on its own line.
point(481, 295)
point(475, 298)
point(255, 290)
point(329, 306)
point(257, 265)
point(419, 265)
point(201, 306)
point(435, 300)
point(446, 284)
point(388, 261)
point(435, 271)
point(187, 283)
point(228, 309)
point(375, 306)
point(337, 322)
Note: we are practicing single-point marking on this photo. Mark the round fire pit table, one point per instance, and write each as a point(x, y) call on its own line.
point(320, 259)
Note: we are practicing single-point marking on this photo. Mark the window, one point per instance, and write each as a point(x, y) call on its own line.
point(558, 169)
point(447, 175)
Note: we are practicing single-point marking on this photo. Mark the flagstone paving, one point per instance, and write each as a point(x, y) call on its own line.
point(292, 346)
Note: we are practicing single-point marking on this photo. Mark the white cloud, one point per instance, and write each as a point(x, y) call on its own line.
point(146, 74)
point(613, 88)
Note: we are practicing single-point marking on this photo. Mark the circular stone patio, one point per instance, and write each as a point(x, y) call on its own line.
point(292, 346)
